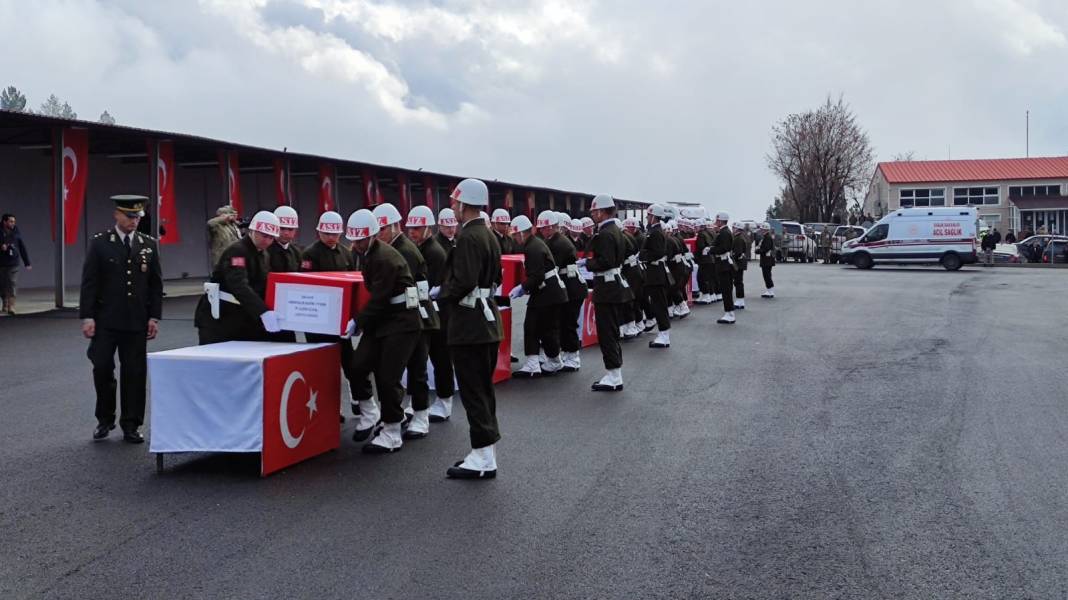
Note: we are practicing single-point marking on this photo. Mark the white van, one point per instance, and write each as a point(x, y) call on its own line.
point(917, 235)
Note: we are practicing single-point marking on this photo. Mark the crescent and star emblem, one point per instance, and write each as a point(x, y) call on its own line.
point(283, 409)
point(68, 152)
point(161, 168)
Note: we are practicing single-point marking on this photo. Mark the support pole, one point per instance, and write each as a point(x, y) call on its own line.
point(59, 274)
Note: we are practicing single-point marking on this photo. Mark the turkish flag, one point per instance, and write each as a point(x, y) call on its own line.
point(405, 193)
point(429, 184)
point(371, 196)
point(509, 200)
point(530, 205)
point(281, 182)
point(326, 188)
point(502, 371)
point(587, 323)
point(301, 401)
point(231, 174)
point(75, 156)
point(166, 203)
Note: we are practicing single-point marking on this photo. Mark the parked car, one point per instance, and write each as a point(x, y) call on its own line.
point(1033, 248)
point(1007, 253)
point(843, 233)
point(1056, 251)
point(796, 244)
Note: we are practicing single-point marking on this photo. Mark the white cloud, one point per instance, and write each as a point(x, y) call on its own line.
point(1021, 27)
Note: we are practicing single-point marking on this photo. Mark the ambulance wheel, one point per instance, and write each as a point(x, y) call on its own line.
point(950, 261)
point(863, 261)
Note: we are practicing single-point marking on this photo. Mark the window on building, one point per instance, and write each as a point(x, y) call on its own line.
point(1022, 191)
point(922, 197)
point(976, 196)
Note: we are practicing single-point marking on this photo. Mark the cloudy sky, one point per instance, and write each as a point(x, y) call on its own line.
point(657, 101)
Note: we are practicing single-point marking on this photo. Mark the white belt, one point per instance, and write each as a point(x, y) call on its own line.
point(398, 299)
point(475, 295)
point(706, 250)
point(616, 273)
point(726, 256)
point(660, 261)
point(215, 295)
point(572, 271)
point(679, 258)
point(424, 290)
point(632, 260)
point(553, 272)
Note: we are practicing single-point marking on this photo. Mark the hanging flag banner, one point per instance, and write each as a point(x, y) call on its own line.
point(429, 195)
point(530, 205)
point(166, 203)
point(509, 200)
point(405, 192)
point(231, 174)
point(281, 182)
point(75, 157)
point(371, 195)
point(327, 198)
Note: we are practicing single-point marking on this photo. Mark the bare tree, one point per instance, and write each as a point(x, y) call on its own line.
point(12, 99)
point(823, 158)
point(907, 156)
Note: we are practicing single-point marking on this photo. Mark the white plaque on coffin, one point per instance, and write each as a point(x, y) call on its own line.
point(309, 308)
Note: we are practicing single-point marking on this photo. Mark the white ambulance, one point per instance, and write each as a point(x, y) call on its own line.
point(917, 235)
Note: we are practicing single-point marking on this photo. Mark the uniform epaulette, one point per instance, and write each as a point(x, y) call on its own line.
point(100, 234)
point(142, 237)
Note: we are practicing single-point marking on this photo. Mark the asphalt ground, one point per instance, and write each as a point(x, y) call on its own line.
point(894, 433)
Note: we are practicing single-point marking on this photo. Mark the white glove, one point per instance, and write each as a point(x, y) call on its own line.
point(581, 263)
point(516, 292)
point(498, 291)
point(350, 330)
point(270, 321)
point(435, 292)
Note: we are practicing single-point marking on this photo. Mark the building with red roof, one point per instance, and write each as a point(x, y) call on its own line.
point(1019, 194)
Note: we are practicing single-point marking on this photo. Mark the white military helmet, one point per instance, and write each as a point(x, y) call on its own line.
point(547, 218)
point(482, 215)
point(287, 217)
point(330, 222)
point(562, 218)
point(574, 225)
point(362, 225)
point(501, 216)
point(521, 223)
point(722, 216)
point(420, 216)
point(602, 201)
point(660, 211)
point(447, 218)
point(265, 222)
point(387, 214)
point(587, 222)
point(630, 222)
point(471, 192)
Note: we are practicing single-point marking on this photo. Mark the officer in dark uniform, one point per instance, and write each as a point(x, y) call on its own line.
point(541, 326)
point(120, 308)
point(233, 306)
point(420, 220)
point(611, 292)
point(391, 330)
point(473, 271)
point(680, 273)
point(501, 222)
point(740, 255)
point(417, 413)
point(766, 251)
point(284, 256)
point(654, 255)
point(447, 223)
point(566, 258)
point(634, 272)
point(722, 248)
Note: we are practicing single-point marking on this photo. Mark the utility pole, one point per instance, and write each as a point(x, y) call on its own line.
point(1027, 135)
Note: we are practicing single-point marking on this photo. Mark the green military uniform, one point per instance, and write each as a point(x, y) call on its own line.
point(221, 234)
point(241, 272)
point(680, 271)
point(473, 271)
point(658, 279)
point(507, 244)
point(121, 289)
point(633, 273)
point(284, 259)
point(418, 388)
point(766, 251)
point(565, 257)
point(706, 272)
point(434, 255)
point(445, 242)
point(611, 293)
point(722, 248)
point(391, 331)
point(740, 255)
point(548, 293)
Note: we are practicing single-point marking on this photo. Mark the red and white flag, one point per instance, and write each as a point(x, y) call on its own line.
point(301, 395)
point(166, 203)
point(509, 200)
point(530, 205)
point(327, 188)
point(428, 194)
point(231, 174)
point(405, 192)
point(371, 195)
point(75, 156)
point(281, 182)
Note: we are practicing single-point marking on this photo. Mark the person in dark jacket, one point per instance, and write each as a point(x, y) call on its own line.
point(566, 258)
point(233, 306)
point(284, 256)
point(391, 329)
point(634, 273)
point(722, 249)
point(766, 252)
point(611, 292)
point(11, 250)
point(740, 255)
point(120, 307)
point(547, 291)
point(658, 278)
point(472, 273)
